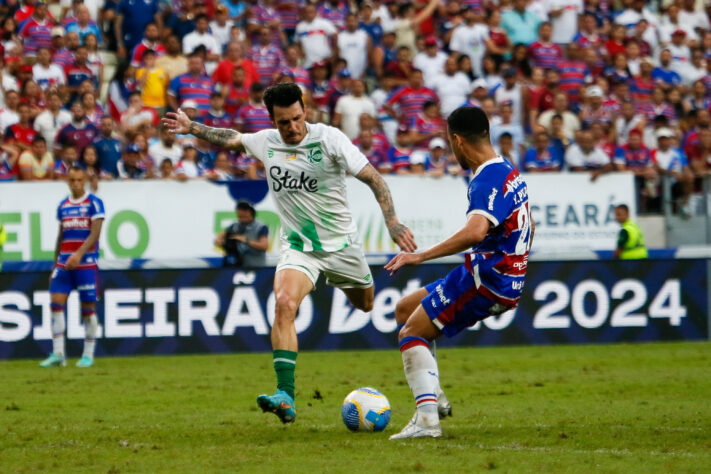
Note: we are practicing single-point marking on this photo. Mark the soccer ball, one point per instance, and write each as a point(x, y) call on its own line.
point(366, 409)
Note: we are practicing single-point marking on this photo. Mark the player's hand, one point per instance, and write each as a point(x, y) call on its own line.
point(72, 262)
point(402, 236)
point(177, 122)
point(401, 259)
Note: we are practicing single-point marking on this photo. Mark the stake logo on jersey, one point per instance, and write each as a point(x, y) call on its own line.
point(307, 181)
point(75, 217)
point(499, 262)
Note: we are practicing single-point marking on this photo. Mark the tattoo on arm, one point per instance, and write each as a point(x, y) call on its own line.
point(372, 178)
point(222, 137)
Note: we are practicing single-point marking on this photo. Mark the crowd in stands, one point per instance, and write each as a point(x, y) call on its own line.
point(596, 85)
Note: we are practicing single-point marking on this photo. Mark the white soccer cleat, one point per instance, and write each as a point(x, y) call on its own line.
point(414, 429)
point(444, 407)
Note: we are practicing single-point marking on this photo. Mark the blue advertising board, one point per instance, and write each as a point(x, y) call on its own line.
point(169, 311)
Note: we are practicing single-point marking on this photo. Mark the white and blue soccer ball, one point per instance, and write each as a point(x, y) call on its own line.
point(366, 409)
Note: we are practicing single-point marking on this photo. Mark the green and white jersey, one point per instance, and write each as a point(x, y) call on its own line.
point(308, 185)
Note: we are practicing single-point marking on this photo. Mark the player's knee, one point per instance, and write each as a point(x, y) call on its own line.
point(286, 307)
point(402, 311)
point(366, 305)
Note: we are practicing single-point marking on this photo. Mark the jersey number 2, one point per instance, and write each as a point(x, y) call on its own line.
point(524, 226)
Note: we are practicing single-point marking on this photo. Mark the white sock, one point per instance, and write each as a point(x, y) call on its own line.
point(433, 351)
point(58, 326)
point(421, 374)
point(90, 327)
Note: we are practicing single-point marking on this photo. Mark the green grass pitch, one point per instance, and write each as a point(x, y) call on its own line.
point(613, 408)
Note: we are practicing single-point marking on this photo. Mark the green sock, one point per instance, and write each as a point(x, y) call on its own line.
point(284, 366)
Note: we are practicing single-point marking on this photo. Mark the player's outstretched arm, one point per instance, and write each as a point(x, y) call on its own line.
point(399, 232)
point(472, 233)
point(180, 123)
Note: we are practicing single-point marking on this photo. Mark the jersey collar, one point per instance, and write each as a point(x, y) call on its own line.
point(481, 167)
point(81, 199)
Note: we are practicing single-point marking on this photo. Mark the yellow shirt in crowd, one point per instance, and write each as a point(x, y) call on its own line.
point(154, 88)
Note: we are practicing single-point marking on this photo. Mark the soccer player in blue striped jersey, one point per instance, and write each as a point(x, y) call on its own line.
point(75, 266)
point(497, 235)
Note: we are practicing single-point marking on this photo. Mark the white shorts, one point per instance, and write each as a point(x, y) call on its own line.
point(346, 268)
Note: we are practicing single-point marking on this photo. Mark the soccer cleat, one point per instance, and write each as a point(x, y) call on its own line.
point(85, 361)
point(281, 404)
point(444, 407)
point(414, 429)
point(54, 360)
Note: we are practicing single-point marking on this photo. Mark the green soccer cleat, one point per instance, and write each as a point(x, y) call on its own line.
point(85, 362)
point(281, 404)
point(54, 360)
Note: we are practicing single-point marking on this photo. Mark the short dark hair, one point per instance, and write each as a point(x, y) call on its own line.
point(75, 168)
point(469, 123)
point(282, 95)
point(245, 205)
point(623, 207)
point(256, 87)
point(38, 138)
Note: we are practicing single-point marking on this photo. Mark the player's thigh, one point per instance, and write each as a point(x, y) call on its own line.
point(407, 305)
point(419, 324)
point(361, 298)
point(85, 281)
point(60, 285)
point(347, 268)
point(290, 288)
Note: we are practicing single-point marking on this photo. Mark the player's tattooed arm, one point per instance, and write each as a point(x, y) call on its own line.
point(221, 137)
point(179, 123)
point(399, 232)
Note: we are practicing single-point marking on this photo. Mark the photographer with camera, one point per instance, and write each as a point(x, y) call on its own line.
point(245, 242)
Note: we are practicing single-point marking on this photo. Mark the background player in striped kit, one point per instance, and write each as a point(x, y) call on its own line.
point(80, 218)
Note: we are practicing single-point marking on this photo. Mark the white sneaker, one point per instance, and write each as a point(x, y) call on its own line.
point(416, 430)
point(444, 407)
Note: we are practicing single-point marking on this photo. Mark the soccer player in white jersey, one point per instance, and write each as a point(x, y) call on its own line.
point(306, 166)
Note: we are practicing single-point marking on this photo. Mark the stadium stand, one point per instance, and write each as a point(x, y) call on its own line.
point(94, 77)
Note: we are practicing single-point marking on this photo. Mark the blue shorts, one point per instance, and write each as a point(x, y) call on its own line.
point(454, 303)
point(84, 280)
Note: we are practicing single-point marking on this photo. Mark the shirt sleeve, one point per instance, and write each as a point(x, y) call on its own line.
point(619, 157)
point(263, 232)
point(486, 198)
point(254, 143)
point(97, 209)
point(573, 158)
point(348, 156)
point(174, 86)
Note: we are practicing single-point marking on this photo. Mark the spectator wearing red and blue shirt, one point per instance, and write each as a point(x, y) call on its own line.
point(399, 154)
point(193, 85)
point(216, 116)
point(411, 98)
point(335, 12)
point(79, 71)
point(267, 58)
point(288, 11)
point(291, 66)
point(642, 86)
point(588, 37)
point(64, 56)
point(544, 53)
point(633, 156)
point(36, 32)
point(254, 116)
point(376, 156)
point(658, 105)
point(543, 156)
point(150, 41)
point(21, 133)
point(573, 74)
point(79, 133)
point(264, 15)
point(427, 125)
